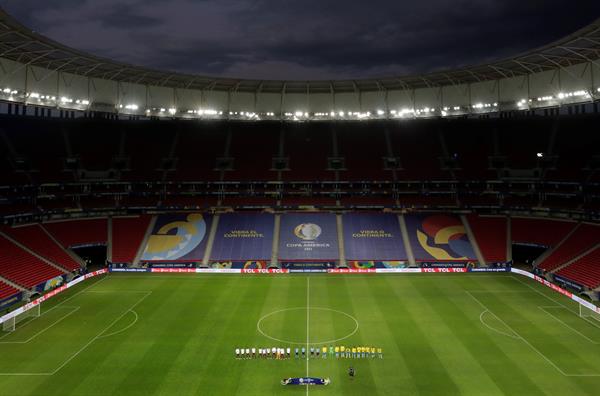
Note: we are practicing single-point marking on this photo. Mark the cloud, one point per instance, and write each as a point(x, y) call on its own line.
point(309, 39)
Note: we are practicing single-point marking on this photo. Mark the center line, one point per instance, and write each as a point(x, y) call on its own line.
point(307, 324)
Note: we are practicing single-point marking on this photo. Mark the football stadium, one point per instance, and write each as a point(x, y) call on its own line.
point(169, 233)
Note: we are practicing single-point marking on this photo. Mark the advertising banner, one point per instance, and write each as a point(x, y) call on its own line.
point(352, 271)
point(178, 237)
point(373, 237)
point(218, 270)
point(308, 237)
point(302, 265)
point(398, 270)
point(265, 271)
point(568, 282)
point(172, 265)
point(173, 270)
point(505, 269)
point(438, 237)
point(50, 284)
point(243, 236)
point(377, 264)
point(51, 294)
point(254, 264)
point(7, 302)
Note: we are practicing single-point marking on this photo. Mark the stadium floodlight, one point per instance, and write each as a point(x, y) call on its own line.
point(132, 106)
point(444, 113)
point(298, 113)
point(172, 110)
point(8, 90)
point(34, 95)
point(85, 102)
point(64, 99)
point(540, 155)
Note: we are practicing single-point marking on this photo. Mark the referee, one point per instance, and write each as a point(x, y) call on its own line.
point(351, 372)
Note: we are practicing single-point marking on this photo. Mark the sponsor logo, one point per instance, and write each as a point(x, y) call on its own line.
point(307, 231)
point(265, 271)
point(507, 269)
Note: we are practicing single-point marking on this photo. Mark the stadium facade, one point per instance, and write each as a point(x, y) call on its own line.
point(40, 72)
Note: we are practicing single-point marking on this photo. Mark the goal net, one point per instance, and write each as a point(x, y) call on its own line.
point(11, 323)
point(588, 312)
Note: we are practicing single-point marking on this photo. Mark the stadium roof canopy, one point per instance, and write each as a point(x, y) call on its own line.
point(26, 47)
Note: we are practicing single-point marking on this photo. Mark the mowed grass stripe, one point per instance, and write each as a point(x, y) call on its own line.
point(435, 301)
point(537, 369)
point(427, 324)
point(230, 328)
point(428, 371)
point(392, 374)
point(538, 330)
point(265, 295)
point(483, 366)
point(167, 326)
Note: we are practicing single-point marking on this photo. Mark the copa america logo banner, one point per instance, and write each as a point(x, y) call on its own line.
point(308, 237)
point(373, 237)
point(439, 238)
point(243, 237)
point(178, 237)
point(305, 381)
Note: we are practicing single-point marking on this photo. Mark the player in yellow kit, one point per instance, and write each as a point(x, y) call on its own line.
point(324, 352)
point(343, 351)
point(337, 352)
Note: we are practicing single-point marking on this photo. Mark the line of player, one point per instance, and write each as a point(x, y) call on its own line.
point(338, 352)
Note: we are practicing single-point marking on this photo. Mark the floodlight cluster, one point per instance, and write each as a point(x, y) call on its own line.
point(37, 98)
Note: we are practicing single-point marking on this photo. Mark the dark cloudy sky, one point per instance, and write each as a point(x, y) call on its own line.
point(304, 39)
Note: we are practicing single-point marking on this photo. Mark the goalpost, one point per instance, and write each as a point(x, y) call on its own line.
point(10, 324)
point(587, 312)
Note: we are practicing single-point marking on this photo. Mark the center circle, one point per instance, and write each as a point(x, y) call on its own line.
point(315, 316)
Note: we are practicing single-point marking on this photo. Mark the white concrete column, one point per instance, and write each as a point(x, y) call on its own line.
point(211, 239)
point(407, 247)
point(340, 234)
point(275, 246)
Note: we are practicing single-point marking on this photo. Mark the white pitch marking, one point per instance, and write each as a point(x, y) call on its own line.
point(307, 324)
point(554, 301)
point(260, 330)
point(123, 329)
point(60, 303)
point(493, 328)
point(546, 358)
point(567, 325)
point(84, 347)
point(44, 329)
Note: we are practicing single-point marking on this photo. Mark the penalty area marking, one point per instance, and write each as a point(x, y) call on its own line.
point(546, 309)
point(513, 336)
point(123, 329)
point(305, 309)
point(73, 310)
point(546, 358)
point(148, 293)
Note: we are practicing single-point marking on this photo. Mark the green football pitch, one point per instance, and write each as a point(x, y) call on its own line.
point(441, 334)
